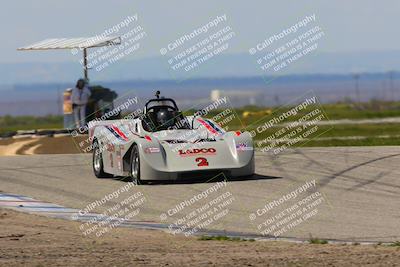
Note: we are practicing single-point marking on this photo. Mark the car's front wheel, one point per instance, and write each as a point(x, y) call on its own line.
point(97, 162)
point(135, 165)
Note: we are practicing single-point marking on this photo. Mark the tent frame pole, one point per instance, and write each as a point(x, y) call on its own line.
point(85, 67)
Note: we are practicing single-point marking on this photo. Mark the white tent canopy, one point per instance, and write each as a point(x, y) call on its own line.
point(74, 43)
point(71, 43)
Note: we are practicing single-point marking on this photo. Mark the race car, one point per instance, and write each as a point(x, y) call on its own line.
point(161, 143)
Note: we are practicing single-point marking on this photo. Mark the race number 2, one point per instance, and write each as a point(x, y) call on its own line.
point(202, 162)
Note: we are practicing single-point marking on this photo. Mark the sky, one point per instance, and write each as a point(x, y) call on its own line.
point(349, 26)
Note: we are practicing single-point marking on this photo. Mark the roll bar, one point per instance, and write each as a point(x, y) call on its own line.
point(160, 100)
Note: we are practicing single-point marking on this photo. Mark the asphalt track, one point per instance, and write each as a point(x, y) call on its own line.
point(360, 188)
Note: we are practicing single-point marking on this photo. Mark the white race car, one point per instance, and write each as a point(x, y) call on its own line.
point(162, 144)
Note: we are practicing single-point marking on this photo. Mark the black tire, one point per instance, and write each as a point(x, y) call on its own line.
point(97, 162)
point(135, 165)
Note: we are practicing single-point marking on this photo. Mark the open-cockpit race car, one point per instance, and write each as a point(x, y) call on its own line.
point(163, 144)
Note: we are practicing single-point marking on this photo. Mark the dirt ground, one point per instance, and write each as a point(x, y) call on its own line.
point(31, 240)
point(42, 145)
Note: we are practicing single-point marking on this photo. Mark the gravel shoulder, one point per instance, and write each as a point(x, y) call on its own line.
point(31, 240)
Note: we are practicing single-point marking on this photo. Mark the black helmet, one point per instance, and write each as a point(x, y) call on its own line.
point(165, 117)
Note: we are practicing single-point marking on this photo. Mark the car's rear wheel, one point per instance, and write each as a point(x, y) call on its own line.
point(135, 165)
point(97, 162)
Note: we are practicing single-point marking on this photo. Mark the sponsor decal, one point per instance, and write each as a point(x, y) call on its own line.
point(243, 147)
point(208, 126)
point(110, 147)
point(117, 132)
point(214, 126)
point(119, 164)
point(120, 133)
point(111, 160)
point(118, 153)
point(150, 150)
point(197, 151)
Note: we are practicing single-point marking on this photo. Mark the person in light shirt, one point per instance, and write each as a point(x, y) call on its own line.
point(80, 98)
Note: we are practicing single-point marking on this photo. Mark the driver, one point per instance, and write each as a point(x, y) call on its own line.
point(165, 118)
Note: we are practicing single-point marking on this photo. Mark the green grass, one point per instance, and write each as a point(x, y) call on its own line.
point(223, 238)
point(369, 110)
point(371, 132)
point(318, 241)
point(365, 142)
point(360, 129)
point(395, 244)
point(371, 135)
point(342, 130)
point(11, 123)
point(336, 111)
